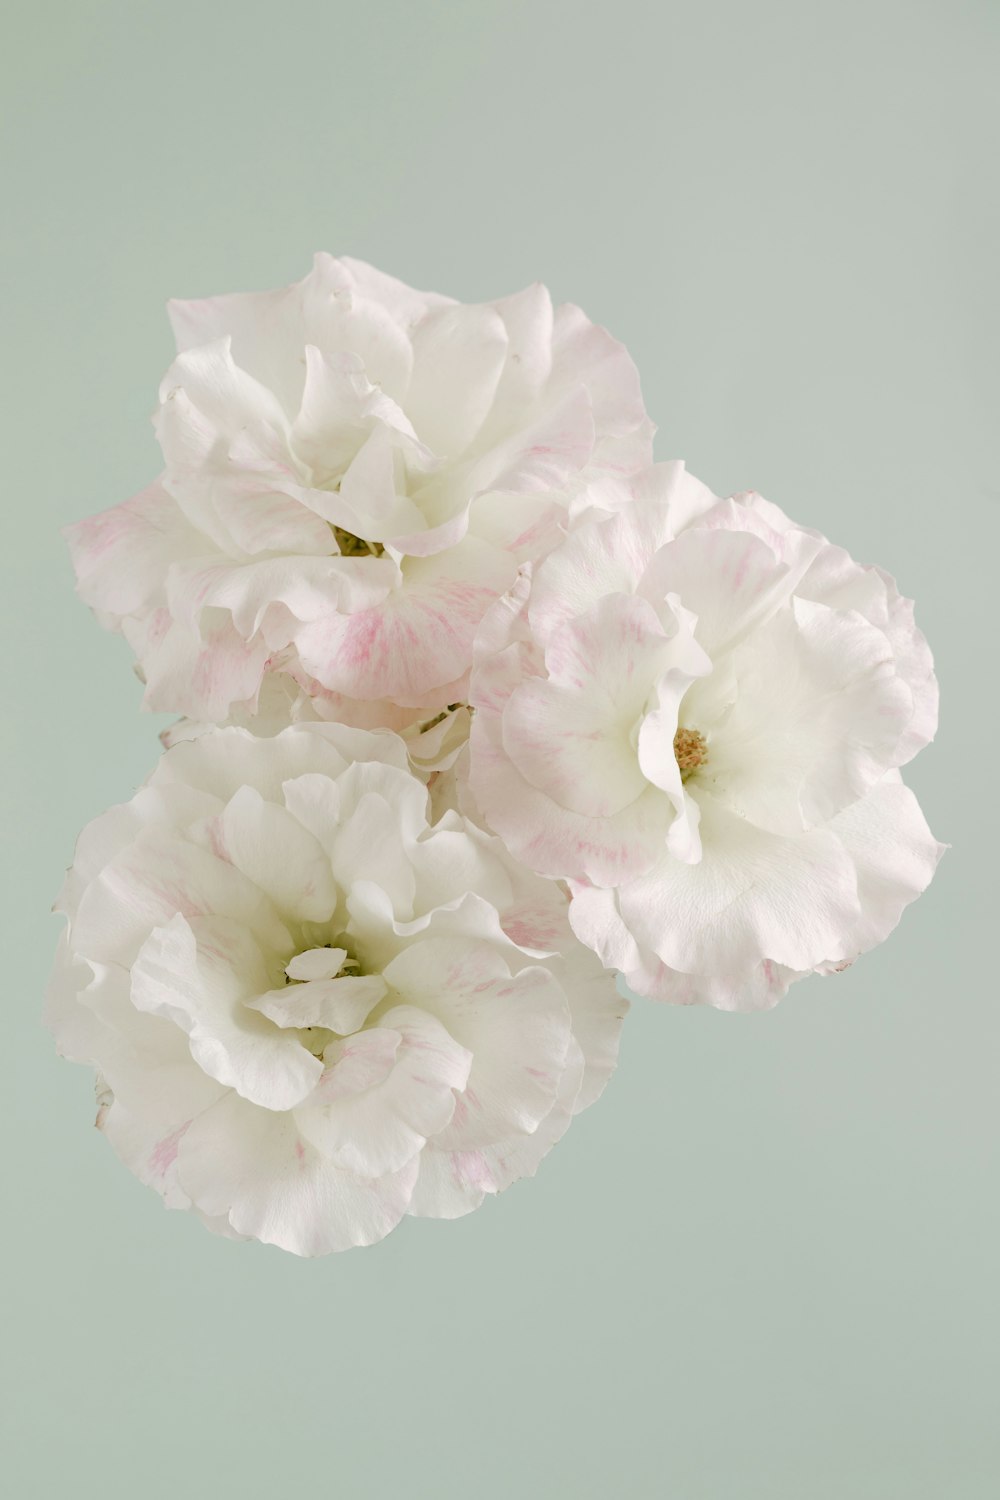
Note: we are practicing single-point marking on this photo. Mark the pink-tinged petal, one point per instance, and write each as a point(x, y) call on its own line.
point(254, 1101)
point(159, 875)
point(349, 401)
point(545, 454)
point(202, 671)
point(609, 553)
point(526, 526)
point(516, 1027)
point(548, 838)
point(121, 555)
point(761, 989)
point(597, 921)
point(599, 558)
point(894, 857)
point(750, 513)
point(570, 734)
point(836, 580)
point(153, 1159)
point(420, 637)
point(452, 1183)
point(551, 839)
point(384, 1124)
point(358, 1063)
point(255, 1168)
point(268, 598)
point(668, 499)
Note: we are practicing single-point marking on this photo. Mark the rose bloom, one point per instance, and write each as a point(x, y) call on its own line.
point(694, 712)
point(310, 1012)
point(352, 473)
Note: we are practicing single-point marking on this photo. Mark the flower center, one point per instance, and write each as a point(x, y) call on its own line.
point(690, 751)
point(327, 961)
point(356, 546)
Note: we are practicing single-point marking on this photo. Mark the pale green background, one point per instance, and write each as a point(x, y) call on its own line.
point(765, 1265)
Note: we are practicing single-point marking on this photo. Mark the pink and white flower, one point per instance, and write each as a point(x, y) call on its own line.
point(352, 473)
point(310, 1011)
point(694, 711)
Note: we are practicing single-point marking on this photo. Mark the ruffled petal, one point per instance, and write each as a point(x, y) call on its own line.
point(420, 639)
point(753, 895)
point(375, 1124)
point(200, 982)
point(254, 1168)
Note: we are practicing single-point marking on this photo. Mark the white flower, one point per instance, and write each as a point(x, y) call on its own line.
point(433, 740)
point(694, 712)
point(310, 1012)
point(353, 471)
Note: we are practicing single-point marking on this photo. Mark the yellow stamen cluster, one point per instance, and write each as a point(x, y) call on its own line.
point(690, 750)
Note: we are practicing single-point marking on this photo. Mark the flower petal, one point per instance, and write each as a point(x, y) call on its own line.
point(382, 1126)
point(516, 1026)
point(200, 983)
point(256, 1169)
point(458, 355)
point(419, 638)
point(753, 895)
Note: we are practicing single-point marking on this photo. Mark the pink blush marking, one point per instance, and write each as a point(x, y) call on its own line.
point(472, 1170)
point(164, 1153)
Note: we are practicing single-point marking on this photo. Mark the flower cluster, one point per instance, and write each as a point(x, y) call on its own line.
point(480, 708)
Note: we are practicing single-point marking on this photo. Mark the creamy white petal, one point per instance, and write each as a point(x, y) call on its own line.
point(382, 1125)
point(255, 1167)
point(328, 448)
point(516, 1026)
point(292, 986)
point(200, 982)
